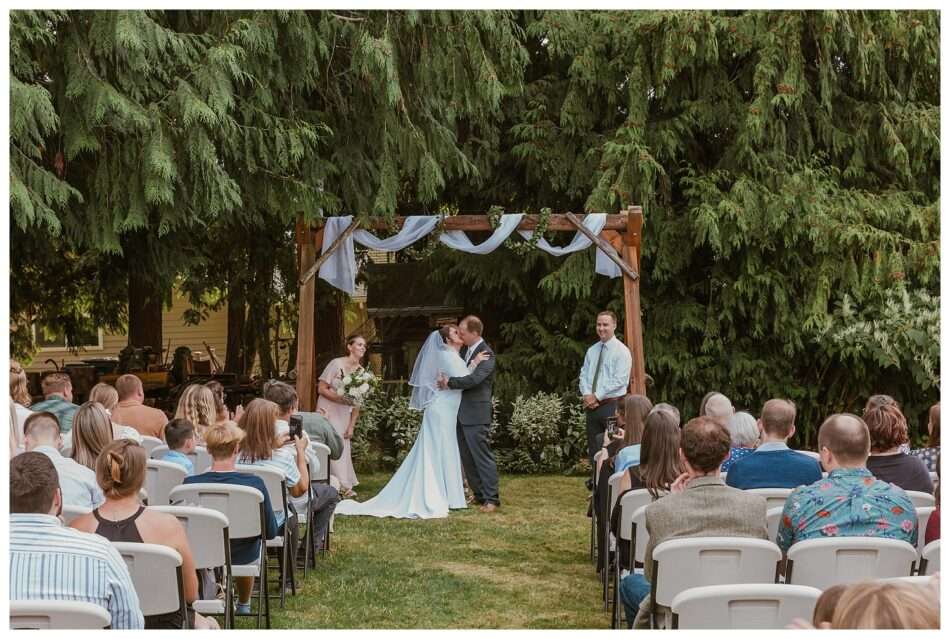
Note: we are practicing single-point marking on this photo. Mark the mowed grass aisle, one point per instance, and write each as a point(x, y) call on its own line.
point(525, 566)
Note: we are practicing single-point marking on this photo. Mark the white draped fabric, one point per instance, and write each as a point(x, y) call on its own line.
point(340, 269)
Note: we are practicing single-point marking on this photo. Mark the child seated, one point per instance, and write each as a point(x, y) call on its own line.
point(180, 437)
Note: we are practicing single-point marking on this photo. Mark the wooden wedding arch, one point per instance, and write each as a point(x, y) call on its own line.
point(621, 240)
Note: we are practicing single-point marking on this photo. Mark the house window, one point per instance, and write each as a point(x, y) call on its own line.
point(48, 339)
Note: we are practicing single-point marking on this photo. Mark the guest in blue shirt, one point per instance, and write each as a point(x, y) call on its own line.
point(180, 437)
point(223, 442)
point(850, 502)
point(773, 464)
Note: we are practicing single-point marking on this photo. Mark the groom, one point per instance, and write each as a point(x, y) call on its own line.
point(474, 420)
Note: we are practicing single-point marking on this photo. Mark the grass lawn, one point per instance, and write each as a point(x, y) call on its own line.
point(525, 566)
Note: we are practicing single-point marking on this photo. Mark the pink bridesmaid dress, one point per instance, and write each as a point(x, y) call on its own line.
point(339, 416)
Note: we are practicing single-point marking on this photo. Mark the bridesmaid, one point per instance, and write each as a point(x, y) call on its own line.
point(341, 412)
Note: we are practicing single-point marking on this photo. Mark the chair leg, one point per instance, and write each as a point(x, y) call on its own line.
point(605, 565)
point(615, 614)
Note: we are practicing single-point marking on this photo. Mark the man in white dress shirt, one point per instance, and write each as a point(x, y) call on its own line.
point(605, 377)
point(77, 483)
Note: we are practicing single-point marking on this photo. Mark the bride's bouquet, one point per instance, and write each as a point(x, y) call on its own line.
point(356, 386)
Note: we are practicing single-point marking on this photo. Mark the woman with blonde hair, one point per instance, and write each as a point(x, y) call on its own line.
point(196, 404)
point(19, 400)
point(120, 472)
point(108, 396)
point(881, 605)
point(91, 433)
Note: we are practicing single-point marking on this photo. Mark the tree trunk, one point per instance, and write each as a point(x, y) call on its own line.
point(145, 311)
point(236, 357)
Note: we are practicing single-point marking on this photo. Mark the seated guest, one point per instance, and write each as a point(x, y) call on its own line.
point(224, 445)
point(881, 605)
point(887, 462)
point(699, 505)
point(221, 408)
point(932, 532)
point(658, 468)
point(849, 502)
point(76, 482)
point(718, 406)
point(196, 404)
point(131, 411)
point(874, 401)
point(180, 437)
point(325, 496)
point(930, 454)
point(825, 606)
point(634, 414)
point(612, 443)
point(774, 464)
point(91, 433)
point(20, 401)
point(120, 471)
point(58, 393)
point(108, 396)
point(744, 435)
point(316, 425)
point(50, 561)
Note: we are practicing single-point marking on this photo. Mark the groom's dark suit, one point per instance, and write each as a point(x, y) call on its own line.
point(474, 424)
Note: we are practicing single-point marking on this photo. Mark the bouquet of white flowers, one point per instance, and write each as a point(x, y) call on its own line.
point(356, 386)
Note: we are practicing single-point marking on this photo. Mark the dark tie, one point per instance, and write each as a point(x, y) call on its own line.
point(600, 360)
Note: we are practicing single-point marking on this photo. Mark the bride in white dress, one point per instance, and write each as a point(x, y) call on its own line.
point(429, 481)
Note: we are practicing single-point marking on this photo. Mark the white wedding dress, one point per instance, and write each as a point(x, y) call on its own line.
point(429, 481)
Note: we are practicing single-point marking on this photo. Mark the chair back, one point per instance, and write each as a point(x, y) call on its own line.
point(72, 512)
point(58, 615)
point(200, 457)
point(275, 482)
point(613, 490)
point(151, 443)
point(810, 453)
point(826, 562)
point(628, 505)
point(641, 536)
point(772, 519)
point(160, 478)
point(207, 532)
point(923, 516)
point(680, 564)
point(930, 558)
point(241, 505)
point(916, 580)
point(600, 455)
point(156, 575)
point(743, 606)
point(774, 497)
point(321, 452)
point(921, 499)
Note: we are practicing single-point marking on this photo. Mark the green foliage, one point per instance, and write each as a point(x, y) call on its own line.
point(546, 433)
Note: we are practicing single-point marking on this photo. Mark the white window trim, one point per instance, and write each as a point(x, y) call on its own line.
point(49, 349)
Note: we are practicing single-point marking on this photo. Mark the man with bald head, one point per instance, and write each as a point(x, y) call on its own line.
point(774, 464)
point(850, 502)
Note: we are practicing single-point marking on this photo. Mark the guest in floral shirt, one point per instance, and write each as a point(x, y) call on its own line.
point(850, 502)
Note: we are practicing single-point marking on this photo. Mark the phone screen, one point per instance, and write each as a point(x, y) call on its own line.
point(296, 426)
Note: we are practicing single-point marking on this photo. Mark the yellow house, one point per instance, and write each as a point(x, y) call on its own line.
point(213, 330)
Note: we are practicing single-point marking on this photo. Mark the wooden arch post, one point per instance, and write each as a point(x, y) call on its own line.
point(628, 225)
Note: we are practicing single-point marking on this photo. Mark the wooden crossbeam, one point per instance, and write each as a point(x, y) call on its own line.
point(604, 246)
point(556, 222)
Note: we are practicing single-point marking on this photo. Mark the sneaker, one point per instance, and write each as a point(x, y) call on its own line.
point(243, 608)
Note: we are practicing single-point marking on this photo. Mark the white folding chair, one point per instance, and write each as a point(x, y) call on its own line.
point(72, 512)
point(743, 606)
point(921, 499)
point(810, 453)
point(628, 504)
point(43, 614)
point(930, 558)
point(200, 457)
point(600, 455)
point(321, 453)
point(772, 519)
point(916, 580)
point(208, 538)
point(157, 577)
point(277, 491)
point(243, 507)
point(160, 478)
point(826, 562)
point(923, 516)
point(613, 491)
point(304, 518)
point(774, 497)
point(151, 443)
point(680, 564)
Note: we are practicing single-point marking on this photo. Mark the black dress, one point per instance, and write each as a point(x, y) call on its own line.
point(126, 530)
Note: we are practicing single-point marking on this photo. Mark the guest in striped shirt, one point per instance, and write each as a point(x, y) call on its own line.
point(51, 562)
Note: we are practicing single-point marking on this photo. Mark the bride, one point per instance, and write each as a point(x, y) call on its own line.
point(429, 481)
